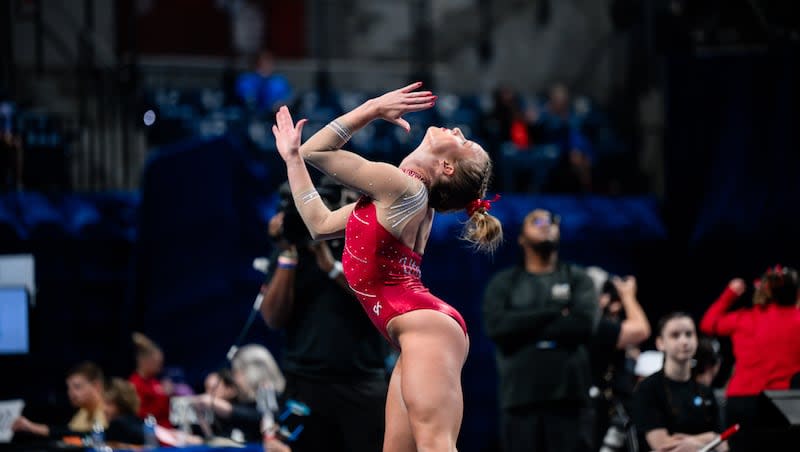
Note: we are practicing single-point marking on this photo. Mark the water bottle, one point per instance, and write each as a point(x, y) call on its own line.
point(98, 437)
point(150, 439)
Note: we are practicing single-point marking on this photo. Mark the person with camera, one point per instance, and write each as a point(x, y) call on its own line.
point(541, 316)
point(333, 358)
point(613, 351)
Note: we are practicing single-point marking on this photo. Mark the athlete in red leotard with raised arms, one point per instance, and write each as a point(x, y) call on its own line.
point(385, 236)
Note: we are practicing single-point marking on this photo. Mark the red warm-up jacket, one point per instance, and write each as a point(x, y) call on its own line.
point(765, 339)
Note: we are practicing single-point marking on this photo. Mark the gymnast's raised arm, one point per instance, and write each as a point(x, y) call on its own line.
point(380, 181)
point(321, 222)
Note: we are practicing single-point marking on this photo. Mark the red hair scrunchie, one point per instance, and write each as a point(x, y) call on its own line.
point(485, 204)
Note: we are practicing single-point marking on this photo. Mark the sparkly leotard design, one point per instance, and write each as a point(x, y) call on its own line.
point(385, 273)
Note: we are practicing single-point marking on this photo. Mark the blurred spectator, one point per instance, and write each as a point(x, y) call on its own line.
point(541, 315)
point(613, 352)
point(707, 361)
point(766, 344)
point(558, 125)
point(671, 410)
point(121, 406)
point(556, 120)
point(220, 384)
point(222, 413)
point(261, 88)
point(85, 391)
point(154, 394)
point(257, 375)
point(334, 357)
point(235, 397)
point(509, 128)
point(507, 121)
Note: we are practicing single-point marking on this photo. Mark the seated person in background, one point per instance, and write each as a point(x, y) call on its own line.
point(85, 391)
point(220, 384)
point(153, 394)
point(670, 409)
point(121, 406)
point(261, 88)
point(125, 428)
point(236, 403)
point(707, 361)
point(221, 393)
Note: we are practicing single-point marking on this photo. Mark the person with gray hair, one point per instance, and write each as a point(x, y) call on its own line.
point(254, 367)
point(255, 374)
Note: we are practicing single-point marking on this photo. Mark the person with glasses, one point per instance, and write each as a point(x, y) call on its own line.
point(541, 316)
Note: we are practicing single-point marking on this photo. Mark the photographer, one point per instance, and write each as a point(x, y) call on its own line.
point(622, 327)
point(333, 356)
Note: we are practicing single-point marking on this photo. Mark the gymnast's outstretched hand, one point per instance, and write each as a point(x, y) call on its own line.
point(394, 104)
point(287, 134)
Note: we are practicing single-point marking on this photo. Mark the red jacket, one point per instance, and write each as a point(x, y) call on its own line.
point(152, 399)
point(766, 343)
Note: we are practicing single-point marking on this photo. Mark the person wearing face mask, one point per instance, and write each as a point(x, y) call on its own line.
point(541, 316)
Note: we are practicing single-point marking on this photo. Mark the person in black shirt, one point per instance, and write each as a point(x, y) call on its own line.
point(672, 411)
point(121, 405)
point(334, 359)
point(231, 408)
point(541, 316)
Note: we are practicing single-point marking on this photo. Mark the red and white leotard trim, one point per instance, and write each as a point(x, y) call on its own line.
point(385, 273)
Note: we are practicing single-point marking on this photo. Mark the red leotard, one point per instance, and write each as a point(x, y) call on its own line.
point(384, 272)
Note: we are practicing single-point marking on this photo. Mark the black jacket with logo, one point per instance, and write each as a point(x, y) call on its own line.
point(541, 325)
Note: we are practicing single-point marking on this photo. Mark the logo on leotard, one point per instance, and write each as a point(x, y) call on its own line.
point(410, 267)
point(377, 308)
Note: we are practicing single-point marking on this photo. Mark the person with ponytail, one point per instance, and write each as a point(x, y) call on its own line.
point(541, 316)
point(154, 393)
point(385, 234)
point(766, 345)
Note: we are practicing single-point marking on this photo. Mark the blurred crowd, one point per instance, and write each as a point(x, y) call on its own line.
point(553, 141)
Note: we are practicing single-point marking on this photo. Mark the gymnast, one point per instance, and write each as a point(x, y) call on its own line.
point(385, 233)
